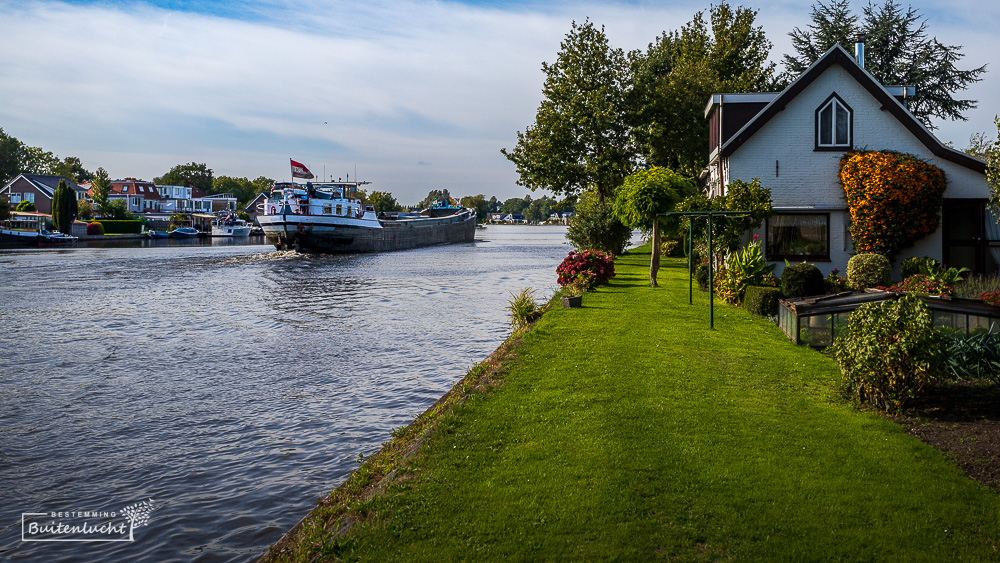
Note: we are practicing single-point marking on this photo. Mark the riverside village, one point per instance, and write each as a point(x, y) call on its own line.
point(733, 293)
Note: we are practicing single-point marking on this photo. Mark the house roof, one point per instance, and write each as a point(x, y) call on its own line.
point(838, 55)
point(134, 187)
point(46, 184)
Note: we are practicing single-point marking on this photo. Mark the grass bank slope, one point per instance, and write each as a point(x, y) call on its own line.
point(627, 430)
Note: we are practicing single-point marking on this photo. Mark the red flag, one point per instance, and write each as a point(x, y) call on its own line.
point(299, 170)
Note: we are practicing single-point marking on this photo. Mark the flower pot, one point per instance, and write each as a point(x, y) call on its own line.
point(573, 301)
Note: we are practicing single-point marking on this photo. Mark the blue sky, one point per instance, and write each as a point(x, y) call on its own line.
point(415, 95)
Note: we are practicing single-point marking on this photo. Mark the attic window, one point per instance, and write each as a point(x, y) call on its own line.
point(833, 124)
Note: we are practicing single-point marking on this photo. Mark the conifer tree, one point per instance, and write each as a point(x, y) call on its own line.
point(64, 207)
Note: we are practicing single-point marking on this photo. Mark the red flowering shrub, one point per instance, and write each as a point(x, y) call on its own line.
point(95, 228)
point(991, 297)
point(597, 263)
point(920, 284)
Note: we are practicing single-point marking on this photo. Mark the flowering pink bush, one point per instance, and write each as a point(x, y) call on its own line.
point(599, 264)
point(920, 284)
point(990, 297)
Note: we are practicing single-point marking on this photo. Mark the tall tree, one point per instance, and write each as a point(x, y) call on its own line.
point(677, 74)
point(10, 157)
point(480, 204)
point(644, 195)
point(383, 201)
point(35, 160)
point(64, 207)
point(71, 167)
point(434, 195)
point(897, 51)
point(192, 175)
point(100, 187)
point(580, 139)
point(4, 209)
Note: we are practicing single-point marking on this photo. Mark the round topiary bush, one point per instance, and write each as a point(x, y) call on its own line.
point(914, 264)
point(802, 280)
point(868, 270)
point(95, 229)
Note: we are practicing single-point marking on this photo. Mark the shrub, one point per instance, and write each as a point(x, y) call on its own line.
point(601, 265)
point(701, 276)
point(802, 280)
point(894, 199)
point(523, 309)
point(25, 206)
point(672, 248)
point(744, 268)
point(919, 284)
point(95, 228)
point(889, 351)
point(595, 226)
point(762, 301)
point(835, 283)
point(917, 265)
point(116, 227)
point(868, 270)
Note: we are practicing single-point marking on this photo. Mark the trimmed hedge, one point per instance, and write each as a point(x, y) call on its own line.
point(802, 280)
point(118, 227)
point(761, 300)
point(868, 270)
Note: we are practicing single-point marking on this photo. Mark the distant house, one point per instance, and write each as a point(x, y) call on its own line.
point(140, 196)
point(38, 189)
point(793, 142)
point(514, 218)
point(251, 208)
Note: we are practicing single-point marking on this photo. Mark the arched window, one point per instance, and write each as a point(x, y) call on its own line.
point(834, 124)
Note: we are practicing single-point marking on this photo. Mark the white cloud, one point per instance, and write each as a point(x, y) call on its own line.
point(418, 95)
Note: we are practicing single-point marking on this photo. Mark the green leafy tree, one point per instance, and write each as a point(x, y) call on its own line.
point(383, 202)
point(71, 167)
point(728, 232)
point(64, 207)
point(538, 210)
point(85, 209)
point(644, 195)
point(100, 187)
point(117, 209)
point(4, 209)
point(678, 72)
point(10, 157)
point(479, 202)
point(189, 175)
point(897, 51)
point(26, 206)
point(595, 226)
point(35, 160)
point(516, 204)
point(580, 138)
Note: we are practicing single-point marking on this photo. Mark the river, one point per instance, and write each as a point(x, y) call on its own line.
point(232, 384)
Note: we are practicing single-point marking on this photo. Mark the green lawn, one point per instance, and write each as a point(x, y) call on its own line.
point(627, 430)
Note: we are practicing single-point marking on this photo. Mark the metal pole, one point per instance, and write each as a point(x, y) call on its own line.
point(690, 259)
point(711, 277)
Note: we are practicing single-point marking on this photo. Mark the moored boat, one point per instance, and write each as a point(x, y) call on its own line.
point(185, 232)
point(229, 225)
point(329, 218)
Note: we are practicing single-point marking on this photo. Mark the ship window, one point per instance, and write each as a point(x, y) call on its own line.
point(327, 209)
point(338, 209)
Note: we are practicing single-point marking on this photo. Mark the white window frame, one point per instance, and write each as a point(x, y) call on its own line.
point(838, 110)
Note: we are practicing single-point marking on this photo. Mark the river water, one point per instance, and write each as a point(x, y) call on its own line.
point(232, 384)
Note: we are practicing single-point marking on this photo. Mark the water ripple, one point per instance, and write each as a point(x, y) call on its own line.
point(234, 385)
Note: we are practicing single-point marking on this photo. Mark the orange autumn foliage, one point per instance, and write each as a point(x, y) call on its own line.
point(894, 199)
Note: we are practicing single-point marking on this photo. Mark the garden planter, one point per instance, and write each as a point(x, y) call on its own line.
point(573, 301)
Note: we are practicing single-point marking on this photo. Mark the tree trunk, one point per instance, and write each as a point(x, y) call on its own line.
point(654, 260)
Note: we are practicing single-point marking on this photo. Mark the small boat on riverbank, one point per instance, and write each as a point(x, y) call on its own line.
point(30, 232)
point(330, 218)
point(185, 232)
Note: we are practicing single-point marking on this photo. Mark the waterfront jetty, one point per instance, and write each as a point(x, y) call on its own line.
point(627, 429)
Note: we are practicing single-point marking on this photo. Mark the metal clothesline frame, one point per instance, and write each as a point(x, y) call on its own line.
point(711, 274)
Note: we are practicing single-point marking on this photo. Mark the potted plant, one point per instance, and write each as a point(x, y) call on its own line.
point(575, 289)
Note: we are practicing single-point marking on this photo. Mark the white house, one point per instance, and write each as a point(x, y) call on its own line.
point(793, 141)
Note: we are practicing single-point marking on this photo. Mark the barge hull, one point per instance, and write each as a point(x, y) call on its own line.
point(306, 235)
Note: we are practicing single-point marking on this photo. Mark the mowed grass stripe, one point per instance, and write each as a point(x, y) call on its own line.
point(628, 430)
